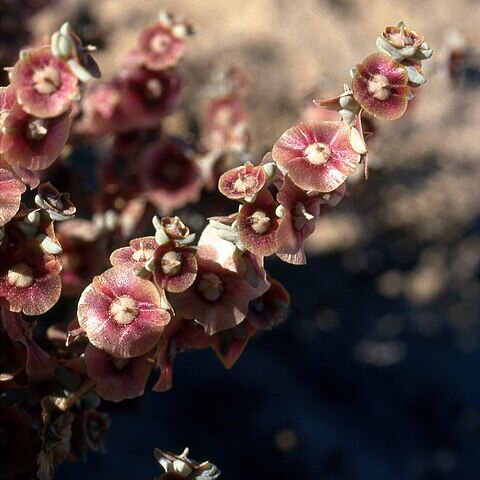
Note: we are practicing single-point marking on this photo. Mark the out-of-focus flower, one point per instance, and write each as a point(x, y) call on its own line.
point(169, 176)
point(162, 44)
point(122, 313)
point(149, 96)
point(224, 126)
point(44, 84)
point(317, 157)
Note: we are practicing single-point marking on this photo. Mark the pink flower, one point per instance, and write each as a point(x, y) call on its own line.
point(169, 176)
point(380, 86)
point(117, 379)
point(44, 84)
point(226, 282)
point(149, 96)
point(300, 214)
point(258, 223)
point(317, 157)
point(225, 125)
point(32, 142)
point(121, 313)
point(134, 257)
point(242, 182)
point(159, 47)
point(175, 267)
point(29, 278)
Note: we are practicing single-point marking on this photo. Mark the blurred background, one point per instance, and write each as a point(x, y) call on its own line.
point(375, 374)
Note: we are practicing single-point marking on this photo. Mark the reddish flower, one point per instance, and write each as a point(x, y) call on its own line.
point(300, 214)
point(380, 86)
point(134, 257)
point(57, 205)
point(12, 189)
point(225, 125)
point(159, 47)
point(258, 223)
point(226, 282)
point(103, 111)
point(169, 177)
point(45, 86)
point(29, 278)
point(32, 142)
point(121, 313)
point(317, 157)
point(117, 378)
point(241, 182)
point(149, 96)
point(175, 268)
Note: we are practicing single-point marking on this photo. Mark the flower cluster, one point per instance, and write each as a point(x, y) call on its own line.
point(142, 304)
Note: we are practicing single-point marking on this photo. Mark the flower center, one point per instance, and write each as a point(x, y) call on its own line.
point(154, 89)
point(171, 263)
point(36, 129)
point(20, 275)
point(120, 363)
point(260, 222)
point(124, 310)
point(143, 254)
point(160, 43)
point(46, 80)
point(210, 287)
point(244, 182)
point(317, 153)
point(300, 216)
point(224, 117)
point(379, 86)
